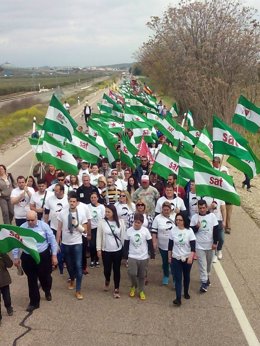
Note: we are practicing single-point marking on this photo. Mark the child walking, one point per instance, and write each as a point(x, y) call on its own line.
point(137, 245)
point(5, 280)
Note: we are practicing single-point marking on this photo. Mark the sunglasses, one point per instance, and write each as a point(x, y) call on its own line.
point(122, 196)
point(140, 205)
point(61, 179)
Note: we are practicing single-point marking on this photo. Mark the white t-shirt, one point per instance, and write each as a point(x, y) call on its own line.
point(94, 178)
point(75, 237)
point(181, 241)
point(67, 188)
point(56, 205)
point(193, 204)
point(37, 199)
point(119, 184)
point(21, 208)
point(138, 247)
point(97, 213)
point(123, 210)
point(81, 173)
point(162, 226)
point(176, 202)
point(204, 236)
point(218, 203)
point(109, 241)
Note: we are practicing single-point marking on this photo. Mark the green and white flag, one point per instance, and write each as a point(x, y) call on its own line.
point(36, 144)
point(58, 120)
point(205, 143)
point(213, 183)
point(55, 153)
point(186, 165)
point(174, 110)
point(227, 141)
point(247, 115)
point(167, 127)
point(188, 118)
point(84, 147)
point(146, 133)
point(12, 237)
point(251, 168)
point(167, 162)
point(128, 152)
point(194, 133)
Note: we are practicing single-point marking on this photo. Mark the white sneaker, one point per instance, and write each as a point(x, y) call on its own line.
point(219, 254)
point(215, 259)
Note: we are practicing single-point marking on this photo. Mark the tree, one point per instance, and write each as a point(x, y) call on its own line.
point(204, 54)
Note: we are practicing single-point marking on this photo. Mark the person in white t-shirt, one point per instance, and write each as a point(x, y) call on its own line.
point(72, 222)
point(97, 212)
point(124, 206)
point(181, 250)
point(20, 198)
point(218, 207)
point(94, 175)
point(177, 203)
point(205, 227)
point(110, 237)
point(137, 245)
point(39, 198)
point(162, 225)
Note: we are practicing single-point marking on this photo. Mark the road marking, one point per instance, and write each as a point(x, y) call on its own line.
point(236, 306)
point(29, 151)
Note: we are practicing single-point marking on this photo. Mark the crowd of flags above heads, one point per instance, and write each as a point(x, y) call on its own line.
point(128, 107)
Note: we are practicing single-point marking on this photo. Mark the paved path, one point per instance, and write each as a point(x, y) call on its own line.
point(99, 319)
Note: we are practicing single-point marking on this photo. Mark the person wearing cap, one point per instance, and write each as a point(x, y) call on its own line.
point(148, 193)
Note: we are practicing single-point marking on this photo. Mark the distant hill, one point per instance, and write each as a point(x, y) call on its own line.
point(122, 66)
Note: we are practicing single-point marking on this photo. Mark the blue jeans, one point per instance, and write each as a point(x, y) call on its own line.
point(73, 259)
point(165, 263)
point(178, 269)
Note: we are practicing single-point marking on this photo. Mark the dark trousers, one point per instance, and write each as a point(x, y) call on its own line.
point(92, 246)
point(247, 182)
point(5, 292)
point(19, 222)
point(112, 259)
point(180, 269)
point(84, 252)
point(7, 210)
point(41, 271)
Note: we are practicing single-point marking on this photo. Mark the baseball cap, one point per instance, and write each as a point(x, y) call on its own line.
point(145, 178)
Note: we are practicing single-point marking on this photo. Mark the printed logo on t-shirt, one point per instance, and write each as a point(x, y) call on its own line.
point(181, 240)
point(137, 240)
point(204, 225)
point(59, 207)
point(125, 213)
point(94, 215)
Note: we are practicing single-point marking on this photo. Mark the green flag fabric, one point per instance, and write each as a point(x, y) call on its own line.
point(247, 115)
point(12, 237)
point(167, 162)
point(58, 120)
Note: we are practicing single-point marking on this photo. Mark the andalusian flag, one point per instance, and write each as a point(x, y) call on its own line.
point(205, 143)
point(36, 144)
point(84, 147)
point(247, 115)
point(167, 127)
point(213, 183)
point(167, 162)
point(251, 168)
point(58, 120)
point(188, 118)
point(227, 141)
point(55, 153)
point(174, 110)
point(12, 237)
point(194, 133)
point(128, 151)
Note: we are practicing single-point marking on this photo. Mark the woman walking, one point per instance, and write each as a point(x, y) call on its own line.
point(110, 237)
point(6, 186)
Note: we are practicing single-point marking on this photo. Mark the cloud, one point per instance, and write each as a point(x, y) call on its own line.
point(79, 32)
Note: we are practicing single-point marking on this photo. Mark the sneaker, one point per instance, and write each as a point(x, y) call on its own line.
point(116, 293)
point(71, 285)
point(203, 288)
point(92, 265)
point(78, 295)
point(227, 230)
point(132, 292)
point(10, 311)
point(208, 283)
point(97, 264)
point(186, 296)
point(219, 254)
point(85, 271)
point(249, 190)
point(215, 259)
point(142, 295)
point(165, 280)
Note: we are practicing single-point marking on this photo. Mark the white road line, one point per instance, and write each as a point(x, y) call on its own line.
point(236, 306)
point(29, 151)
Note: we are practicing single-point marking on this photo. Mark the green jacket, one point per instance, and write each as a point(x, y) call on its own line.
point(5, 262)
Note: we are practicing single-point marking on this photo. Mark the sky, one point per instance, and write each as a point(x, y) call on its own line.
point(76, 32)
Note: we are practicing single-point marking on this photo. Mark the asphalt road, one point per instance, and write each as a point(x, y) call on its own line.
point(228, 314)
